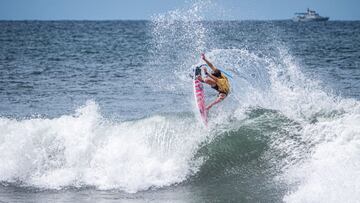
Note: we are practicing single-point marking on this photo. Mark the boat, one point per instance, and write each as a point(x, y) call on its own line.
point(309, 16)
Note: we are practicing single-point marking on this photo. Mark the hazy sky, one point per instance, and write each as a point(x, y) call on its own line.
point(144, 9)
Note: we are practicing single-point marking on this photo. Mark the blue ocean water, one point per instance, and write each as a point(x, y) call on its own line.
point(104, 111)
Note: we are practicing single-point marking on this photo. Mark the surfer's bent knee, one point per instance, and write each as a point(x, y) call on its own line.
point(222, 96)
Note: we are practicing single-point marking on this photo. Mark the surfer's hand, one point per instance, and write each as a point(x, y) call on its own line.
point(203, 56)
point(205, 70)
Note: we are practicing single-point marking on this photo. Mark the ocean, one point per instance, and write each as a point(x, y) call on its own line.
point(104, 111)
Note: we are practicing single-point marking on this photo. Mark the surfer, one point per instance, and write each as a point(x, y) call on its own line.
point(216, 80)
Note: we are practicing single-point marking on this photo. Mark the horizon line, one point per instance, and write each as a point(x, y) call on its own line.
point(287, 19)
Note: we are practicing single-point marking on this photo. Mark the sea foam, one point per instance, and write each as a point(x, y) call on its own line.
point(84, 149)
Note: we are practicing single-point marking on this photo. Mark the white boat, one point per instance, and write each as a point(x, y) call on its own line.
point(310, 15)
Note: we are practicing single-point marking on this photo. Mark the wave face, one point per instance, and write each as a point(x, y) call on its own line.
point(313, 153)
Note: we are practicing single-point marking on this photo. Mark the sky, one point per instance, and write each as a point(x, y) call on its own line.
point(145, 9)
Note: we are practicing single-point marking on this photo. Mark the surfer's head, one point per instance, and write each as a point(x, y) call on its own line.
point(216, 73)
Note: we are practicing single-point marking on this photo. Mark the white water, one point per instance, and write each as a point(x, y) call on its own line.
point(85, 149)
point(332, 173)
point(327, 169)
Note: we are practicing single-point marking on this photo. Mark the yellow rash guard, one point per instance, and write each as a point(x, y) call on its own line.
point(222, 84)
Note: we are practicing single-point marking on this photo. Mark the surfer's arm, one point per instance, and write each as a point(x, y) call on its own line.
point(213, 68)
point(213, 77)
point(210, 75)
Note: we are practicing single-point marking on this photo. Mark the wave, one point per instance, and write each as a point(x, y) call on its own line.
point(296, 154)
point(85, 149)
point(317, 159)
point(278, 125)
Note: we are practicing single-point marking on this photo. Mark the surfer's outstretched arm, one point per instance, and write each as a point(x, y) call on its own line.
point(213, 68)
point(210, 75)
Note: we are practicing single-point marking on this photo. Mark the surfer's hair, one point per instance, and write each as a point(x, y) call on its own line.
point(216, 73)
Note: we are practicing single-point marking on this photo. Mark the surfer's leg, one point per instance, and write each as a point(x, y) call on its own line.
point(210, 81)
point(218, 99)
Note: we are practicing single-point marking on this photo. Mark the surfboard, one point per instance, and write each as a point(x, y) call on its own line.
point(200, 95)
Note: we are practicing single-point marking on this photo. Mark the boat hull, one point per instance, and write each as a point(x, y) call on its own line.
point(296, 19)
